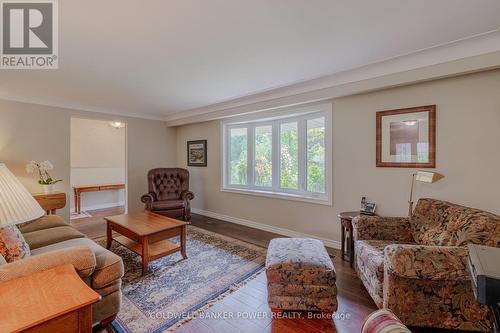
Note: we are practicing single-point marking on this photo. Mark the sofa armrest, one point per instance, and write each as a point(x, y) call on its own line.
point(148, 199)
point(187, 195)
point(382, 228)
point(426, 262)
point(81, 257)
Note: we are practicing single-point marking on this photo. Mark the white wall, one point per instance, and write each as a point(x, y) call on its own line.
point(35, 132)
point(97, 157)
point(468, 141)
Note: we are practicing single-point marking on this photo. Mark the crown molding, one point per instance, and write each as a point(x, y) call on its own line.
point(79, 108)
point(472, 54)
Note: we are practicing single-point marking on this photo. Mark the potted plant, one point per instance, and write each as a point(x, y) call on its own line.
point(44, 179)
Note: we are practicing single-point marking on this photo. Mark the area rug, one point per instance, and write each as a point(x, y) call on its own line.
point(174, 289)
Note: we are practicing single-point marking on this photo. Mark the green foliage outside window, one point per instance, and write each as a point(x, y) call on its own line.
point(316, 157)
point(264, 156)
point(315, 153)
point(289, 156)
point(238, 157)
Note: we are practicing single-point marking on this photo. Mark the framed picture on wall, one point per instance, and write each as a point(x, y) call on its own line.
point(197, 153)
point(406, 138)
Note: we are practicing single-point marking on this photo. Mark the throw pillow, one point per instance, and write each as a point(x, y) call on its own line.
point(12, 244)
point(2, 260)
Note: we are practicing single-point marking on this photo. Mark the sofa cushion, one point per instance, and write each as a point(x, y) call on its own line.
point(370, 266)
point(44, 222)
point(110, 288)
point(168, 204)
point(12, 244)
point(442, 223)
point(109, 266)
point(44, 237)
point(81, 257)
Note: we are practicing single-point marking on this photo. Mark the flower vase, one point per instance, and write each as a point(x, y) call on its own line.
point(48, 188)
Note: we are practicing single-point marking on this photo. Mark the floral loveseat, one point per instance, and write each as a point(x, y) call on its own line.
point(418, 268)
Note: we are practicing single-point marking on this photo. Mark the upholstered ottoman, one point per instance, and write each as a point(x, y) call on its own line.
point(300, 276)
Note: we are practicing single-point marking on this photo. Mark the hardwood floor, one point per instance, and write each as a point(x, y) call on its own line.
point(354, 301)
point(246, 309)
point(95, 226)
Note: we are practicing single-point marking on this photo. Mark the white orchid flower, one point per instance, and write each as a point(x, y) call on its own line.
point(46, 166)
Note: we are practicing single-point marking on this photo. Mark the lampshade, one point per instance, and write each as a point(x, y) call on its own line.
point(17, 205)
point(428, 176)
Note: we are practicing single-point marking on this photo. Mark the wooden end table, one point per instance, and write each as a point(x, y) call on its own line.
point(50, 202)
point(347, 246)
point(147, 235)
point(55, 300)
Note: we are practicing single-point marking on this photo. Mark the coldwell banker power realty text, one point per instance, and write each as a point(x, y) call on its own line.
point(29, 34)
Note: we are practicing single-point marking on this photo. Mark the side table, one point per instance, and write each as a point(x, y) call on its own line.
point(347, 248)
point(50, 202)
point(55, 300)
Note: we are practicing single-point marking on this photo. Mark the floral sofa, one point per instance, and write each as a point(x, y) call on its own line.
point(417, 267)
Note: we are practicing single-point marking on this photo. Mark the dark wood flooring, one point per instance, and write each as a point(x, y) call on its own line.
point(95, 226)
point(251, 299)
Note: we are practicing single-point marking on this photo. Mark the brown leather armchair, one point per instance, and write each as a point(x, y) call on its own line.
point(169, 193)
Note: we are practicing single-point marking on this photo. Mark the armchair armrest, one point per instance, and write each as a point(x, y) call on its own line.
point(187, 195)
point(382, 228)
point(81, 257)
point(426, 262)
point(148, 199)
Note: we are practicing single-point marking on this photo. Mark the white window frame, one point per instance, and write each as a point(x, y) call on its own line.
point(275, 119)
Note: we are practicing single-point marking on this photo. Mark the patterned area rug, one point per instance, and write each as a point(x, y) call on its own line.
point(174, 289)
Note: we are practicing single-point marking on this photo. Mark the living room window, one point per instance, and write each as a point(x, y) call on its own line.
point(280, 155)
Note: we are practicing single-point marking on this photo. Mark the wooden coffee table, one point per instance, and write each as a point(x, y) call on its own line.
point(147, 234)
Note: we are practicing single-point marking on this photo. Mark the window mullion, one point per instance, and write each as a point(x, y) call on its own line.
point(302, 154)
point(276, 155)
point(250, 155)
point(227, 152)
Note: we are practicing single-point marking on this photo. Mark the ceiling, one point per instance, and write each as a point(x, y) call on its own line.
point(156, 58)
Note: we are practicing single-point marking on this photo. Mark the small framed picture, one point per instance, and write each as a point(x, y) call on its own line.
point(197, 153)
point(369, 209)
point(406, 138)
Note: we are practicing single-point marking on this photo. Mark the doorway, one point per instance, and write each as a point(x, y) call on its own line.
point(98, 173)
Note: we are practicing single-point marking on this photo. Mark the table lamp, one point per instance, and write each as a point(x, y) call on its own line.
point(424, 177)
point(17, 205)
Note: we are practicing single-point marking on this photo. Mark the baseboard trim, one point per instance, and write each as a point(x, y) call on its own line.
point(100, 206)
point(252, 224)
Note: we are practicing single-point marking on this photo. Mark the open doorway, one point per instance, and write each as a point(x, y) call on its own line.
point(98, 173)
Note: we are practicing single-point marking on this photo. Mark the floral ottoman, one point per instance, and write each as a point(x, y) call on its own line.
point(300, 276)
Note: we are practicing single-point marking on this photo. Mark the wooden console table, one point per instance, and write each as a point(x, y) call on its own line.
point(50, 202)
point(55, 300)
point(78, 190)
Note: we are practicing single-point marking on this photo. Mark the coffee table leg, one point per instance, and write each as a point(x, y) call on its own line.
point(183, 242)
point(109, 235)
point(145, 254)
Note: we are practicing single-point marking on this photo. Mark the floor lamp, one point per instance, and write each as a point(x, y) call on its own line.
point(17, 205)
point(424, 177)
